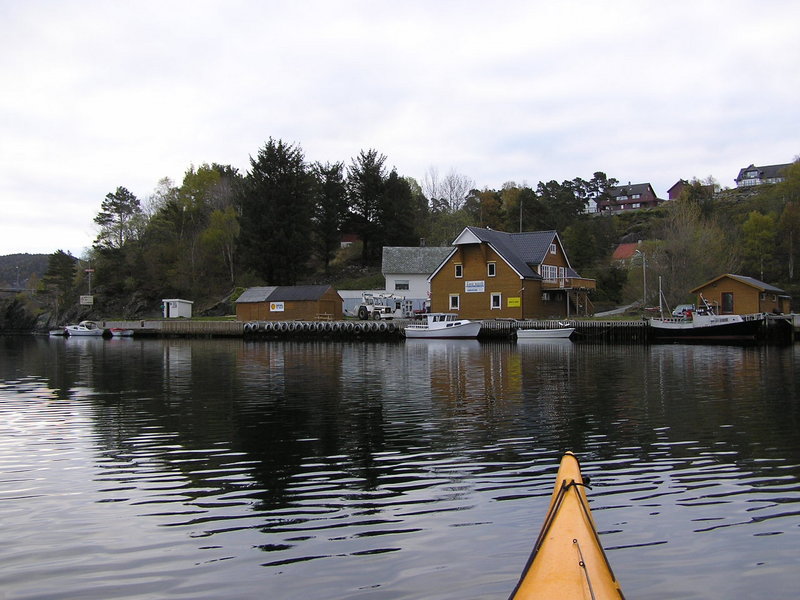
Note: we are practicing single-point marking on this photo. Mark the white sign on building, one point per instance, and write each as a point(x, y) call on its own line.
point(276, 307)
point(474, 286)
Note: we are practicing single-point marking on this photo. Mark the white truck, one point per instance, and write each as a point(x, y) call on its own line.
point(384, 306)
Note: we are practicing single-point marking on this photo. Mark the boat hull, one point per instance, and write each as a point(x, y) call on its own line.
point(464, 330)
point(568, 561)
point(83, 332)
point(720, 329)
point(543, 334)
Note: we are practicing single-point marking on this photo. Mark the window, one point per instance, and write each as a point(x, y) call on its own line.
point(496, 301)
point(552, 248)
point(636, 196)
point(459, 270)
point(491, 269)
point(727, 303)
point(548, 272)
point(401, 284)
point(454, 302)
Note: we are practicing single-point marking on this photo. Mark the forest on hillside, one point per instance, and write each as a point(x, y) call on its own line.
point(282, 222)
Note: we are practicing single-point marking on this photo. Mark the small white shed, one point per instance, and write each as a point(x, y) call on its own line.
point(175, 308)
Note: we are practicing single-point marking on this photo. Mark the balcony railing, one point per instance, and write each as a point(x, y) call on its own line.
point(569, 283)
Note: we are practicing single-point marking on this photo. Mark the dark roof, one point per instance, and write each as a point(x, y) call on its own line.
point(422, 260)
point(751, 281)
point(630, 189)
point(523, 251)
point(765, 172)
point(283, 293)
point(255, 294)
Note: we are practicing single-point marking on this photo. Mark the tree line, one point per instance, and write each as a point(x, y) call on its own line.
point(281, 223)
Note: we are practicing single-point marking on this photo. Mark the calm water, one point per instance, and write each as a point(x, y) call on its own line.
point(183, 469)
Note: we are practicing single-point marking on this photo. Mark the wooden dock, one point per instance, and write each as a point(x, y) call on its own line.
point(779, 329)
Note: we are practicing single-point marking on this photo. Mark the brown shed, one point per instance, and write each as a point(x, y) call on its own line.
point(493, 274)
point(739, 295)
point(289, 303)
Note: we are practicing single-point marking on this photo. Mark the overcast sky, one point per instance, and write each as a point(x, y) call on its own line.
point(97, 95)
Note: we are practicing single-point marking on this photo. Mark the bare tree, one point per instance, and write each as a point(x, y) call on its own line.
point(448, 193)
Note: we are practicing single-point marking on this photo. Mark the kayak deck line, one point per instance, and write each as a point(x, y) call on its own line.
point(568, 560)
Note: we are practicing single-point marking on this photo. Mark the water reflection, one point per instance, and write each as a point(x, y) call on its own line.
point(418, 469)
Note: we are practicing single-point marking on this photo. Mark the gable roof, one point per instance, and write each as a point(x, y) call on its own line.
point(283, 293)
point(765, 172)
point(422, 260)
point(751, 281)
point(523, 252)
point(625, 251)
point(631, 189)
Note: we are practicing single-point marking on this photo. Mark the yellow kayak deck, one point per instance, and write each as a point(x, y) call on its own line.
point(568, 561)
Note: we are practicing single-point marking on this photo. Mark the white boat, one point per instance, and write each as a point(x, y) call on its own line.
point(542, 334)
point(443, 325)
point(57, 331)
point(84, 328)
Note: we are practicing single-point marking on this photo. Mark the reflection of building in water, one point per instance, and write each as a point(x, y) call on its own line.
point(465, 370)
point(177, 365)
point(547, 367)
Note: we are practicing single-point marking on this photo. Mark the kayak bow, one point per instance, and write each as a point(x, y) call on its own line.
point(568, 561)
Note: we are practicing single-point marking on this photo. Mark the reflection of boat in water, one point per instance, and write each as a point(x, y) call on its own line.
point(84, 329)
point(442, 325)
point(544, 334)
point(568, 560)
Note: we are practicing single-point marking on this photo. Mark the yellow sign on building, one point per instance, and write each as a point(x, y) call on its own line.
point(514, 302)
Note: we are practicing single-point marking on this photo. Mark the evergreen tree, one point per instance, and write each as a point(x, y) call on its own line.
point(330, 209)
point(120, 219)
point(396, 213)
point(366, 177)
point(60, 275)
point(277, 204)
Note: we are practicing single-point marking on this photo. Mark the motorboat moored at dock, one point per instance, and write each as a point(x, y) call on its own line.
point(442, 325)
point(84, 328)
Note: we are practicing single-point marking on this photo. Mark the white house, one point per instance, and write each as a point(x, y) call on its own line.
point(175, 308)
point(406, 270)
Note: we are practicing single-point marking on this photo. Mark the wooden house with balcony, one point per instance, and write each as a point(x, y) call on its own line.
point(497, 275)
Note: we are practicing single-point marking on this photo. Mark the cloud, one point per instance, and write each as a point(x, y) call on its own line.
point(100, 95)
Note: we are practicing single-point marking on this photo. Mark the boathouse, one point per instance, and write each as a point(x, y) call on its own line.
point(740, 295)
point(497, 275)
point(289, 303)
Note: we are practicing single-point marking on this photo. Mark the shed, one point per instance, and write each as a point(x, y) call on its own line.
point(175, 308)
point(741, 295)
point(289, 303)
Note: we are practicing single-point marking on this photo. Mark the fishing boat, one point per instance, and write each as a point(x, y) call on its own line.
point(568, 561)
point(542, 334)
point(84, 328)
point(442, 325)
point(706, 325)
